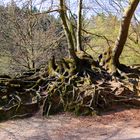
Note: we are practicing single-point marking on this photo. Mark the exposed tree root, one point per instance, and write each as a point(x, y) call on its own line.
point(84, 89)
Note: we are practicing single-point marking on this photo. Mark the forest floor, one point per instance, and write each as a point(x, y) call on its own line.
point(123, 124)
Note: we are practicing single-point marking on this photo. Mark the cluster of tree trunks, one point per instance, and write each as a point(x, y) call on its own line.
point(111, 57)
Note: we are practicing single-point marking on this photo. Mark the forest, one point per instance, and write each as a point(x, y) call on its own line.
point(79, 56)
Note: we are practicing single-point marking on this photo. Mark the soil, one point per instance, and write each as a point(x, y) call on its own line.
point(118, 125)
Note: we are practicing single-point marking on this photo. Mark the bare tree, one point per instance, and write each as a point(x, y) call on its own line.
point(27, 34)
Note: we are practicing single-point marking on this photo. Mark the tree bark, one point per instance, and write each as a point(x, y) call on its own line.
point(79, 26)
point(123, 33)
point(63, 16)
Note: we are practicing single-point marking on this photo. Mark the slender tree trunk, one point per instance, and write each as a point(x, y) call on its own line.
point(79, 25)
point(124, 28)
point(63, 16)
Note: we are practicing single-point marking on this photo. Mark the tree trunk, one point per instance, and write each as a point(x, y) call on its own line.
point(63, 16)
point(123, 33)
point(79, 26)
